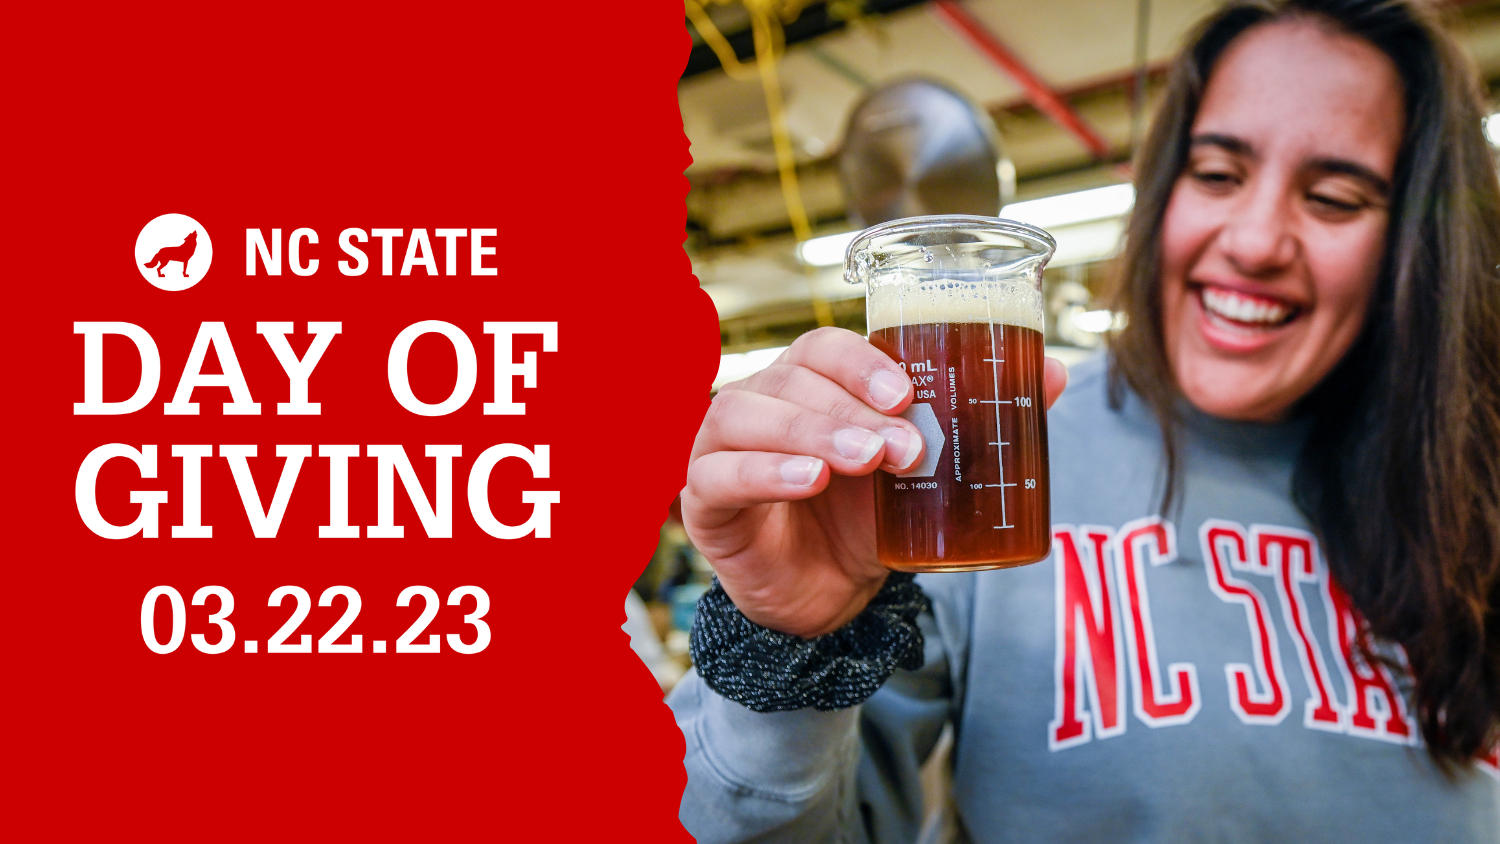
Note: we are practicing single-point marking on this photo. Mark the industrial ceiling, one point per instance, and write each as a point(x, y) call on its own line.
point(1086, 53)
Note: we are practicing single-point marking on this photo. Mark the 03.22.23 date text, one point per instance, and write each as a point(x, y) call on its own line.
point(329, 641)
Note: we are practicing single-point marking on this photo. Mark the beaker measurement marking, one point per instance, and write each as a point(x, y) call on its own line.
point(987, 401)
point(1004, 527)
point(995, 360)
point(999, 485)
point(999, 443)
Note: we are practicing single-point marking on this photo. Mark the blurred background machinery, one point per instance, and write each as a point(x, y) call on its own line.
point(1066, 84)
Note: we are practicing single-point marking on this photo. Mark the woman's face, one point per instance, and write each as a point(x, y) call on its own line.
point(1274, 232)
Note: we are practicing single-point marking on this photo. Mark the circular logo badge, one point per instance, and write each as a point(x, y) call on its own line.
point(173, 252)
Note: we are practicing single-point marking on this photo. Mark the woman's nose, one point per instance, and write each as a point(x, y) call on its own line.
point(1258, 239)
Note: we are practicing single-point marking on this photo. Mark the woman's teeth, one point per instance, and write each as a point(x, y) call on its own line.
point(1244, 310)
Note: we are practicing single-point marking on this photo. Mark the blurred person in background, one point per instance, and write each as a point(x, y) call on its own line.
point(647, 644)
point(1285, 468)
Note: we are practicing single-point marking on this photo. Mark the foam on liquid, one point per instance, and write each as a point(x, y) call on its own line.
point(950, 300)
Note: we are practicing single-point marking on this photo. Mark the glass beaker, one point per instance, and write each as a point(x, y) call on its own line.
point(956, 301)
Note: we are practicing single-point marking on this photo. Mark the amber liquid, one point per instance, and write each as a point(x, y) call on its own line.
point(987, 504)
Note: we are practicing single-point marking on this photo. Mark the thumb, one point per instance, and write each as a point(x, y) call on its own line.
point(1054, 378)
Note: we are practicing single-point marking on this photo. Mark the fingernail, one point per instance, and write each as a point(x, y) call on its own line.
point(901, 446)
point(801, 471)
point(887, 389)
point(857, 445)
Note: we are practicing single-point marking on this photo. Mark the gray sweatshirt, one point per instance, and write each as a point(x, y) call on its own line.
point(1155, 680)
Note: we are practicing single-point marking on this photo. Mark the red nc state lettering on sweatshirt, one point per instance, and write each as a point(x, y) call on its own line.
point(1085, 604)
point(1291, 556)
point(1263, 700)
point(1376, 709)
point(1159, 701)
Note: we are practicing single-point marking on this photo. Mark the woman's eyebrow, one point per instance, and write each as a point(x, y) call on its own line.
point(1354, 170)
point(1324, 164)
point(1228, 143)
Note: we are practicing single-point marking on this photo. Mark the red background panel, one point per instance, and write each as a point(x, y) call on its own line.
point(555, 124)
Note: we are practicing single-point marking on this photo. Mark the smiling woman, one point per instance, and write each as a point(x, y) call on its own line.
point(1311, 355)
point(1313, 237)
point(1273, 233)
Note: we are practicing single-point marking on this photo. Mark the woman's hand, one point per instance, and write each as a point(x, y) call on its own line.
point(780, 497)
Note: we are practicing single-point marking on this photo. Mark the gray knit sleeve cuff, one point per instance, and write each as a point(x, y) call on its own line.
point(768, 671)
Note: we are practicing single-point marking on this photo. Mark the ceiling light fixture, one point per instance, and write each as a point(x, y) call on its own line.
point(733, 367)
point(1047, 213)
point(1069, 208)
point(825, 251)
point(1095, 322)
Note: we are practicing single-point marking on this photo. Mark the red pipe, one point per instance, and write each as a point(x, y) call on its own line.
point(1038, 92)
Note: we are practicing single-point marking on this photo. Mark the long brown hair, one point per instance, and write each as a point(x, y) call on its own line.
point(1400, 476)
